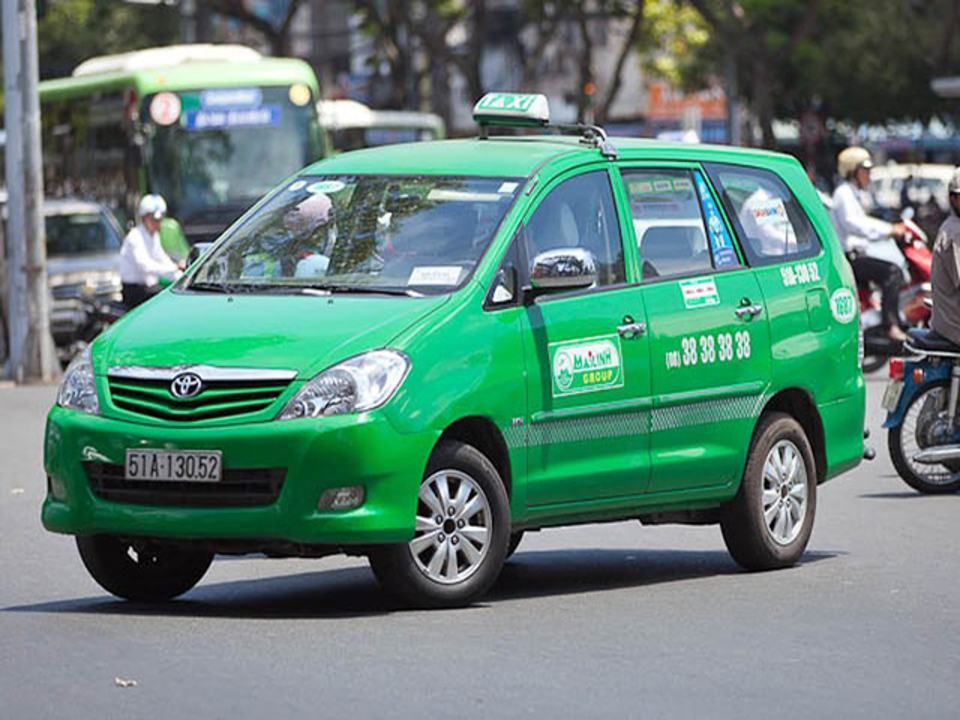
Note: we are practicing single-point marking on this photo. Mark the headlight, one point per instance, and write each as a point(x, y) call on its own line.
point(361, 383)
point(78, 390)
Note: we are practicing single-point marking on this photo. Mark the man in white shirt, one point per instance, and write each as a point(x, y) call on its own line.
point(142, 258)
point(857, 231)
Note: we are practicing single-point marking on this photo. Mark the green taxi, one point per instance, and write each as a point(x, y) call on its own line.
point(419, 352)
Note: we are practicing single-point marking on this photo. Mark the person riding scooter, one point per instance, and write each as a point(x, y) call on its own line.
point(142, 258)
point(858, 232)
point(945, 276)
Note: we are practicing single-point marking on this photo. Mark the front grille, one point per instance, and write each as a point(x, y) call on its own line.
point(217, 399)
point(237, 488)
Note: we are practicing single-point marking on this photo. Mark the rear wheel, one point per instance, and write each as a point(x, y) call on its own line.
point(145, 570)
point(925, 425)
point(769, 522)
point(461, 537)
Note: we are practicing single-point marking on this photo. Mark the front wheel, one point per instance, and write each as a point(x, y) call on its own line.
point(768, 523)
point(145, 571)
point(461, 535)
point(925, 425)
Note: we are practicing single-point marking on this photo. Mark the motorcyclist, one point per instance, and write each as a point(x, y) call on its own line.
point(945, 272)
point(857, 231)
point(142, 258)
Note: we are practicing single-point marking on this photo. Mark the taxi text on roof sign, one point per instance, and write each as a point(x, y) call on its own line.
point(499, 108)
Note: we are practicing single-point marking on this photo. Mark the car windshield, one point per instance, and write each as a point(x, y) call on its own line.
point(410, 235)
point(229, 147)
point(80, 233)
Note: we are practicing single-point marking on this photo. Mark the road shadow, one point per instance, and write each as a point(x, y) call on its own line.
point(906, 495)
point(353, 592)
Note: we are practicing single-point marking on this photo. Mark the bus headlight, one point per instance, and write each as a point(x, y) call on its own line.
point(78, 391)
point(359, 384)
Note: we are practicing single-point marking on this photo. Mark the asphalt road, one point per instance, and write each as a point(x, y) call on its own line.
point(598, 621)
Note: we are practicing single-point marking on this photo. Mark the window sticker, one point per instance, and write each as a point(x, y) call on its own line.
point(435, 275)
point(724, 254)
point(297, 185)
point(507, 187)
point(165, 108)
point(663, 186)
point(682, 184)
point(698, 293)
point(326, 186)
point(446, 195)
point(583, 366)
point(769, 212)
point(231, 98)
point(263, 116)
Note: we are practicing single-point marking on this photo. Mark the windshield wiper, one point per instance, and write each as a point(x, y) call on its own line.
point(328, 289)
point(209, 287)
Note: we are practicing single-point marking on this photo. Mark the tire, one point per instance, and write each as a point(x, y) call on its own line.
point(917, 432)
point(768, 523)
point(474, 531)
point(872, 363)
point(515, 540)
point(143, 571)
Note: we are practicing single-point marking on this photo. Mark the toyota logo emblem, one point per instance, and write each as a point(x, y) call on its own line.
point(186, 385)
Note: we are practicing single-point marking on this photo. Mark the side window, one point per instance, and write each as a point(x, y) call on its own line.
point(579, 212)
point(768, 218)
point(668, 213)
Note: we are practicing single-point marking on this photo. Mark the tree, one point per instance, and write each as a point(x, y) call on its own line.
point(275, 32)
point(73, 30)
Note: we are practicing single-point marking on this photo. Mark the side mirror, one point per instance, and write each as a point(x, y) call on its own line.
point(198, 250)
point(563, 269)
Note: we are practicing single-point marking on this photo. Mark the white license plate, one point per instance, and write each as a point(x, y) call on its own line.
point(891, 396)
point(173, 465)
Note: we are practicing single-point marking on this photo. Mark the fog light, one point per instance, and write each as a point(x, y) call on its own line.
point(343, 498)
point(56, 488)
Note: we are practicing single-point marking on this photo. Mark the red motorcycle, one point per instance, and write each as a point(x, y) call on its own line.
point(914, 298)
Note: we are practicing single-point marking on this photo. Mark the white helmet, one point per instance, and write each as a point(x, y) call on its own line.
point(153, 205)
point(953, 187)
point(852, 159)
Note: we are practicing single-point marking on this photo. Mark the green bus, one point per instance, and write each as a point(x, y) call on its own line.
point(209, 127)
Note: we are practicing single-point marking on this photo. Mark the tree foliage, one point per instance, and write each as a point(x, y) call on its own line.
point(74, 30)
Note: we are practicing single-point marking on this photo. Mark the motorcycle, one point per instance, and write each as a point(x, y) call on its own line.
point(913, 301)
point(923, 427)
point(97, 316)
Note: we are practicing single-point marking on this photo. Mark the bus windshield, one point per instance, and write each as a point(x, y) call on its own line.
point(227, 148)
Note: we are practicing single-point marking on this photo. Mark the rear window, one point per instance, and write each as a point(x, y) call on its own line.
point(769, 220)
point(80, 234)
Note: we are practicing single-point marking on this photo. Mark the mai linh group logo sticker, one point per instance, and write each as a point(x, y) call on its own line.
point(586, 365)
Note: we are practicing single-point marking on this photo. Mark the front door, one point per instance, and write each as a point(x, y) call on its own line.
point(587, 357)
point(707, 326)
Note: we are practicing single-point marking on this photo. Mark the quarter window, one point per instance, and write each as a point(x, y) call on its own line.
point(768, 218)
point(580, 213)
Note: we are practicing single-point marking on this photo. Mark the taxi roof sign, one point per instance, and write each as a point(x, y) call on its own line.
point(501, 108)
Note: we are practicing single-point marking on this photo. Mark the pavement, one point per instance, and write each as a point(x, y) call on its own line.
point(614, 620)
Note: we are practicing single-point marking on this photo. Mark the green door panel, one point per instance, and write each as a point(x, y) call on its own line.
point(710, 364)
point(589, 398)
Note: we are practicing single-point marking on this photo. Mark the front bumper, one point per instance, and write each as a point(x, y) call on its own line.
point(316, 455)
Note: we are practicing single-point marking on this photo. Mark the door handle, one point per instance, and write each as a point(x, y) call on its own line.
point(748, 312)
point(631, 330)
